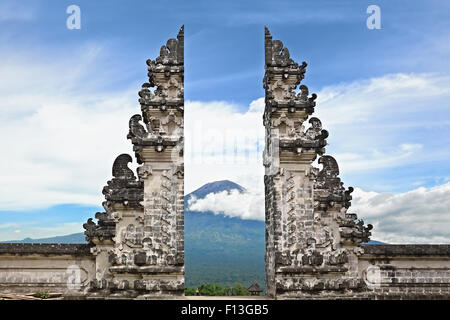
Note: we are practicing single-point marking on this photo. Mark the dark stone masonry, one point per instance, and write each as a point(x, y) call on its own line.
point(392, 250)
point(314, 242)
point(138, 241)
point(45, 249)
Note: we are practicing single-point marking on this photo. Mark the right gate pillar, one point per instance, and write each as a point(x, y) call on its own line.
point(312, 242)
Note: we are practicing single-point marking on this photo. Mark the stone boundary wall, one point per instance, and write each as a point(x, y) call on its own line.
point(406, 271)
point(400, 271)
point(45, 249)
point(29, 267)
point(393, 250)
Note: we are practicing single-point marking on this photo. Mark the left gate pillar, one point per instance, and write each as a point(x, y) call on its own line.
point(139, 240)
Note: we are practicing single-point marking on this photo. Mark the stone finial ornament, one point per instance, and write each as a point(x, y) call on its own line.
point(281, 79)
point(137, 130)
point(329, 189)
point(120, 168)
point(124, 188)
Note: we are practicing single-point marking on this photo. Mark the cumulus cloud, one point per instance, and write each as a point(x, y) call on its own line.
point(418, 216)
point(223, 143)
point(64, 129)
point(373, 99)
point(245, 205)
point(61, 133)
point(421, 215)
point(388, 121)
point(374, 124)
point(60, 146)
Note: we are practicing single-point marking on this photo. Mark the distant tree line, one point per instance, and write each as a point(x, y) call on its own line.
point(217, 290)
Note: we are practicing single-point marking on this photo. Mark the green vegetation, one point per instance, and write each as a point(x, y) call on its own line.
point(223, 250)
point(42, 294)
point(217, 290)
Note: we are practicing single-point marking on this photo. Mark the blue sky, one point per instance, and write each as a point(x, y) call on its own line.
point(67, 96)
point(223, 39)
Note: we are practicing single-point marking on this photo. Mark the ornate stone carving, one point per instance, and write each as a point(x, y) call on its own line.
point(329, 189)
point(297, 140)
point(137, 131)
point(308, 232)
point(144, 171)
point(104, 230)
point(162, 101)
point(281, 79)
point(140, 239)
point(90, 226)
point(124, 187)
point(353, 230)
point(312, 259)
point(166, 73)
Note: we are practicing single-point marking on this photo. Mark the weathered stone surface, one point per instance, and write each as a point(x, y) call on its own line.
point(124, 190)
point(313, 245)
point(141, 234)
point(44, 249)
point(418, 250)
point(29, 267)
point(308, 231)
point(282, 76)
point(406, 271)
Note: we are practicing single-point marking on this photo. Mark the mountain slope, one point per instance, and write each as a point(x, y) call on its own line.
point(70, 238)
point(214, 187)
point(221, 249)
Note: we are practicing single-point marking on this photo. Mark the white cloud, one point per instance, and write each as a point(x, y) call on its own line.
point(61, 146)
point(246, 205)
point(8, 225)
point(58, 230)
point(60, 135)
point(223, 143)
point(389, 122)
point(384, 122)
point(382, 98)
point(419, 216)
point(373, 124)
point(62, 132)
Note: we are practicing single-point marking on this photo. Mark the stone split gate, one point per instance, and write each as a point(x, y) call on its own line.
point(314, 244)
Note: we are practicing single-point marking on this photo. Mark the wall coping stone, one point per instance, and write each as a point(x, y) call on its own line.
point(407, 249)
point(44, 248)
